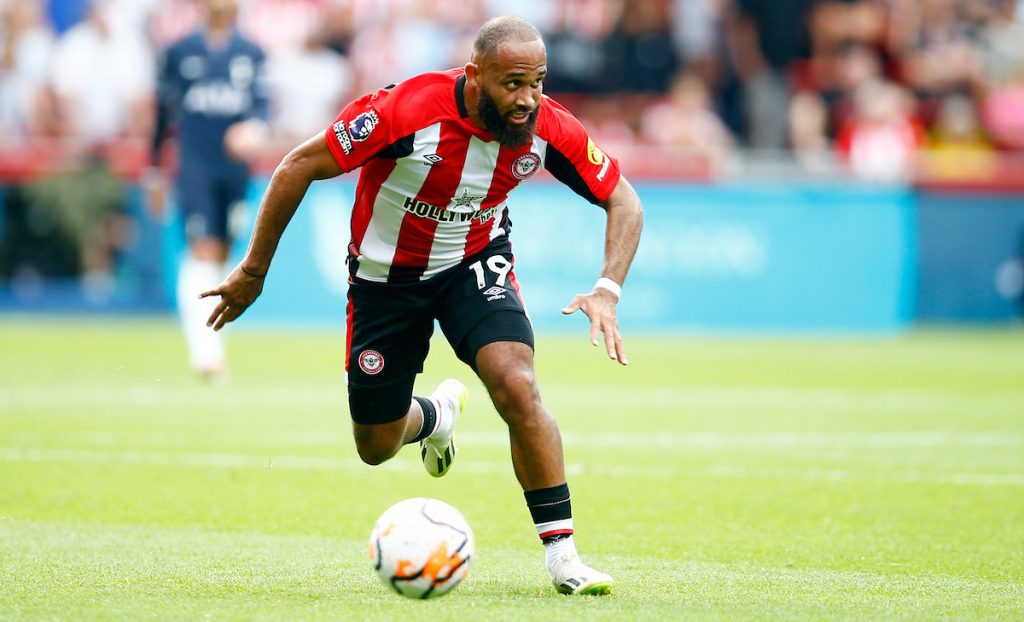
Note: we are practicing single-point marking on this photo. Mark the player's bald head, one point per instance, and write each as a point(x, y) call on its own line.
point(504, 29)
point(220, 5)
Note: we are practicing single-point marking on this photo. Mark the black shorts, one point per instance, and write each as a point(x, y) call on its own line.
point(207, 197)
point(390, 324)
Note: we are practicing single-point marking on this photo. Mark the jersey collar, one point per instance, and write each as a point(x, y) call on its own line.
point(460, 96)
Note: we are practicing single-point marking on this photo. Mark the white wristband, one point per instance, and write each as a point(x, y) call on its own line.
point(610, 285)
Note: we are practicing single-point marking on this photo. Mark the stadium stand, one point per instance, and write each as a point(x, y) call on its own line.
point(925, 93)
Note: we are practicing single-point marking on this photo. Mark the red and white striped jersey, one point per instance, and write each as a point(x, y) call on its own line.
point(433, 186)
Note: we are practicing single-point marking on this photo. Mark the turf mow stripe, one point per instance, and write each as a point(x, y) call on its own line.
point(478, 467)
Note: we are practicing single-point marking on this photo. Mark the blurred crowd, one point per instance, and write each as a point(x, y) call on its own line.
point(888, 90)
point(868, 82)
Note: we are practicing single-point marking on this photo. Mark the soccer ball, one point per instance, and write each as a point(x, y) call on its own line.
point(421, 548)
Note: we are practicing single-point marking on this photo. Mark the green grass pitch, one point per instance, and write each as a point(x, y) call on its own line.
point(738, 478)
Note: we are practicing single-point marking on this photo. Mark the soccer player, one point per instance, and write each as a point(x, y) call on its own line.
point(440, 153)
point(211, 87)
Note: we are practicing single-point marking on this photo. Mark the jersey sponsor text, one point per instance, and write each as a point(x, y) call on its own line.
point(440, 214)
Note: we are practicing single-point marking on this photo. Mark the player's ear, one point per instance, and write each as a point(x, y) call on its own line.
point(473, 74)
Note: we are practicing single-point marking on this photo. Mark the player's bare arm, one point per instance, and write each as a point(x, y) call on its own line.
point(305, 164)
point(622, 234)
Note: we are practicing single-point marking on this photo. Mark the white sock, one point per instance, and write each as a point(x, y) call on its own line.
point(560, 549)
point(205, 346)
point(445, 418)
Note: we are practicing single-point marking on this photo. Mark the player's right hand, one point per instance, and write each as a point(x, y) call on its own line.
point(237, 292)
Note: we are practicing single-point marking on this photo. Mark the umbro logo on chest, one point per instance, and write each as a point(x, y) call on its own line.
point(432, 159)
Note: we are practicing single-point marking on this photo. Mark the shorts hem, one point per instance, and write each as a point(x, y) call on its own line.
point(383, 385)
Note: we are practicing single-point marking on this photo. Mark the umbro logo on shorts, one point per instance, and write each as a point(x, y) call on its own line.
point(495, 293)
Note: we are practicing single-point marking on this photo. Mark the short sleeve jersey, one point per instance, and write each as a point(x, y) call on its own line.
point(433, 187)
point(208, 90)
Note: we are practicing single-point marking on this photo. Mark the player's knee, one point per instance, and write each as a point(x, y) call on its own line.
point(374, 458)
point(514, 392)
point(378, 417)
point(375, 452)
point(376, 443)
point(378, 432)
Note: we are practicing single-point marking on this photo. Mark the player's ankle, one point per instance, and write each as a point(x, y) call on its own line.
point(560, 551)
point(428, 418)
point(447, 406)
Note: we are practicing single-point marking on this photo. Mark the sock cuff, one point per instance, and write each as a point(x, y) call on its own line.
point(550, 505)
point(554, 529)
point(547, 496)
point(430, 418)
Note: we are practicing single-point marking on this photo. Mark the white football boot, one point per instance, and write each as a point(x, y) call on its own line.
point(571, 576)
point(438, 449)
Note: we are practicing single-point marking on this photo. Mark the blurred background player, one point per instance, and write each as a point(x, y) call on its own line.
point(211, 88)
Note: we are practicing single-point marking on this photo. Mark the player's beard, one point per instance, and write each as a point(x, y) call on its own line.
point(507, 134)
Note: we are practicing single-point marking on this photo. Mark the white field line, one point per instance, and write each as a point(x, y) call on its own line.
point(156, 395)
point(668, 441)
point(304, 556)
point(788, 440)
point(479, 467)
point(682, 398)
point(663, 442)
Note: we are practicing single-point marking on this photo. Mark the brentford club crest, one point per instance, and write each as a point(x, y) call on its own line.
point(371, 362)
point(525, 165)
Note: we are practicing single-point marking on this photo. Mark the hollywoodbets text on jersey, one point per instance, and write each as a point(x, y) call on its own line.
point(440, 214)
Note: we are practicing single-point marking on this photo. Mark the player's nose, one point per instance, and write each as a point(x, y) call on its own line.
point(525, 104)
point(525, 101)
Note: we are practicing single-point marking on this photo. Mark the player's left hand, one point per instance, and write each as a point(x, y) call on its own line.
point(599, 306)
point(237, 292)
point(244, 140)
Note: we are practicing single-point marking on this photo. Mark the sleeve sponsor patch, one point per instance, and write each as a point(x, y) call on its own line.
point(595, 155)
point(597, 158)
point(604, 169)
point(342, 136)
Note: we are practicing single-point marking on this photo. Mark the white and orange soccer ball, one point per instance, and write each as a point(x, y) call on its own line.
point(421, 548)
